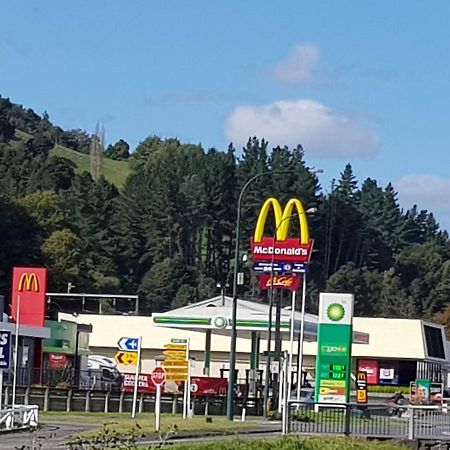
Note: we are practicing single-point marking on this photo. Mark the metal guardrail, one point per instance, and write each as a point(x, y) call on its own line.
point(19, 417)
point(372, 420)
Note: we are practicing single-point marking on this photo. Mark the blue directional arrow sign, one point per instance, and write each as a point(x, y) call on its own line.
point(128, 344)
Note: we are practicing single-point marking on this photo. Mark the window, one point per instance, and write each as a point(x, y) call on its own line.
point(433, 339)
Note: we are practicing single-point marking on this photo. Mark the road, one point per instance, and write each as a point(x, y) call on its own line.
point(51, 436)
point(54, 436)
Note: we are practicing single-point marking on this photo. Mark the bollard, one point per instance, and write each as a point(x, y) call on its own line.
point(27, 396)
point(87, 405)
point(69, 400)
point(46, 399)
point(174, 404)
point(121, 402)
point(6, 395)
point(106, 408)
point(348, 412)
point(411, 424)
point(141, 403)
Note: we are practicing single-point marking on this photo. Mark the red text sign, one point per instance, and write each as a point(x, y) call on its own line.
point(290, 250)
point(287, 282)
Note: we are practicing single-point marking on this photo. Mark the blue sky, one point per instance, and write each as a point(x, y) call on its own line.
point(353, 81)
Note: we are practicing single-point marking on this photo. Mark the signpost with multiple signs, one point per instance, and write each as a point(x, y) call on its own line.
point(177, 367)
point(129, 354)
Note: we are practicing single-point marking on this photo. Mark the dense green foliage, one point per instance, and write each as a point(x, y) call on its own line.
point(168, 233)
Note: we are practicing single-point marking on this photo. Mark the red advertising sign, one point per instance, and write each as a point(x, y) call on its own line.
point(30, 285)
point(288, 250)
point(208, 386)
point(200, 386)
point(288, 282)
point(57, 360)
point(370, 366)
point(144, 383)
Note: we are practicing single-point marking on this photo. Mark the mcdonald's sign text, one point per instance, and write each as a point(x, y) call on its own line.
point(30, 285)
point(289, 250)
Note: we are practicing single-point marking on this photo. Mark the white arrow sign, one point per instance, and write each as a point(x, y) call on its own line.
point(128, 344)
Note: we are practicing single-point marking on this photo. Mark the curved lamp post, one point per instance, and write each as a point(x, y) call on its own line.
point(231, 376)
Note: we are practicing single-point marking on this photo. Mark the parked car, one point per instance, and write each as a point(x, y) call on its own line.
point(306, 395)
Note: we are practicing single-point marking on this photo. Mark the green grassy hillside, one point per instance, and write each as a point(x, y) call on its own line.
point(115, 172)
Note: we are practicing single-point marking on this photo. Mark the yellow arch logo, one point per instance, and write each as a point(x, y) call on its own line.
point(282, 219)
point(30, 281)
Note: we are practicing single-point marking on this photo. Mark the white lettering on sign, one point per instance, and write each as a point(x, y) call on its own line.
point(262, 250)
point(3, 338)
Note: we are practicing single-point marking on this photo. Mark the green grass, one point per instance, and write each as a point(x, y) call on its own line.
point(293, 443)
point(122, 424)
point(114, 171)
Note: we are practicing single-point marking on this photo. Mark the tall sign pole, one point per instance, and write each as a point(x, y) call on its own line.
point(301, 339)
point(334, 340)
point(136, 377)
point(16, 351)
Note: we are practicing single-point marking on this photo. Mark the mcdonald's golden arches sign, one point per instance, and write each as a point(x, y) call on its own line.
point(280, 247)
point(30, 285)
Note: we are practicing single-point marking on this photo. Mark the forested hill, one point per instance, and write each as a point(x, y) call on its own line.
point(167, 231)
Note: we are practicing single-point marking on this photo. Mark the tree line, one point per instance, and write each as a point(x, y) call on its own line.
point(169, 233)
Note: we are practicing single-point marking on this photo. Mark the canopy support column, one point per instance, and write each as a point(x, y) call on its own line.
point(207, 366)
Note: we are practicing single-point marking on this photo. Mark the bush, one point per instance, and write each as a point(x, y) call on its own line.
point(389, 389)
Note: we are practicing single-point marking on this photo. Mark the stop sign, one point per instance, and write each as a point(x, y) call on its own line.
point(158, 376)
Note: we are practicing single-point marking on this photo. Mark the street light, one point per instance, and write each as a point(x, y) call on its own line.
point(231, 376)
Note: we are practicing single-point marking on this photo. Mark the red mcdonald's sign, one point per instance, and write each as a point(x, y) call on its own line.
point(30, 285)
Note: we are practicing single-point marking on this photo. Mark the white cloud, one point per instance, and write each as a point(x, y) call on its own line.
point(430, 192)
point(319, 130)
point(300, 65)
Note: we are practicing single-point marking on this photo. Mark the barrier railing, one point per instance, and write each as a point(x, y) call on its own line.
point(372, 420)
point(19, 417)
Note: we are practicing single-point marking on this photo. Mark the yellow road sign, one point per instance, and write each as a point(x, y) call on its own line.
point(175, 354)
point(176, 376)
point(175, 346)
point(174, 362)
point(127, 358)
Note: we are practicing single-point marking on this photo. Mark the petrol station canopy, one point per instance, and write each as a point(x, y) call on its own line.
point(215, 314)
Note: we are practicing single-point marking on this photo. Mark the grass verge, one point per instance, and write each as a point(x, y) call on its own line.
point(122, 424)
point(293, 443)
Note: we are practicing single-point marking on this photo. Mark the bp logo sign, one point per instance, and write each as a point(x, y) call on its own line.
point(219, 322)
point(335, 312)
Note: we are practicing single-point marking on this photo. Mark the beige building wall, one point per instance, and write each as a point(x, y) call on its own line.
point(388, 338)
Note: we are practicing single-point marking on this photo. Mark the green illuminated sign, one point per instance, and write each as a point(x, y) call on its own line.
point(334, 340)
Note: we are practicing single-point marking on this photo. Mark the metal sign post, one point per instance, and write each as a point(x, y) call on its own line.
point(158, 377)
point(136, 377)
point(188, 382)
